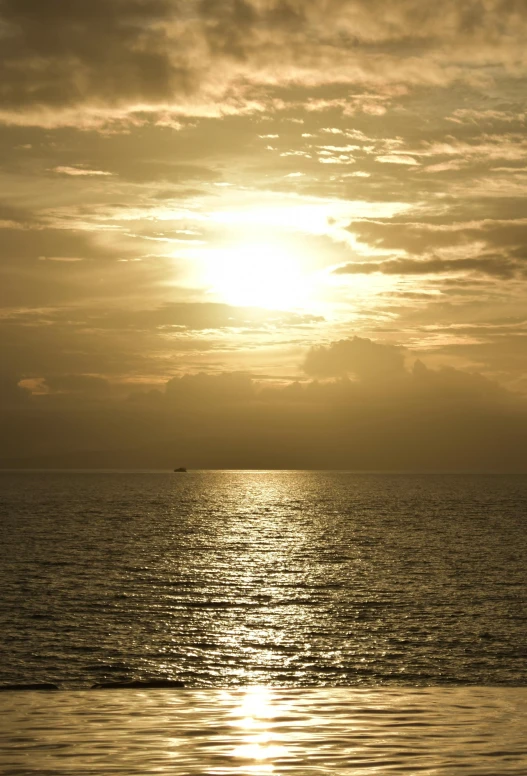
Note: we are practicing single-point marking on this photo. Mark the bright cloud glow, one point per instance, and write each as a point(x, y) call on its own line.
point(306, 215)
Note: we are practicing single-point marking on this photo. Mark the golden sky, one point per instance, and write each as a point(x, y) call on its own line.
point(277, 233)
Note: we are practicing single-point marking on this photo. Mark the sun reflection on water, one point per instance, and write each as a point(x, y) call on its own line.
point(259, 741)
point(300, 732)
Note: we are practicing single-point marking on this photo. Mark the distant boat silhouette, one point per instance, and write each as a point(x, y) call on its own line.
point(180, 469)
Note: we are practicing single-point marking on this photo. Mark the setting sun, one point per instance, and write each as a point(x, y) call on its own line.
point(259, 275)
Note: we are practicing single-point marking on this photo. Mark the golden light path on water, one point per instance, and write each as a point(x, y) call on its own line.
point(277, 579)
point(257, 731)
point(257, 715)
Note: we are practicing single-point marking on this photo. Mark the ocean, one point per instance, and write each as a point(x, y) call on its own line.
point(350, 592)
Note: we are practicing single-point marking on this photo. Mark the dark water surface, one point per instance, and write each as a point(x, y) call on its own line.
point(284, 579)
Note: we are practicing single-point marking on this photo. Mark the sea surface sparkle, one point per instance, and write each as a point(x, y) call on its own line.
point(283, 579)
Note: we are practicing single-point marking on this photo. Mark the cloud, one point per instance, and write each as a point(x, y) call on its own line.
point(13, 217)
point(149, 170)
point(495, 237)
point(397, 159)
point(357, 356)
point(494, 266)
point(110, 50)
point(145, 343)
point(78, 384)
point(42, 266)
point(388, 417)
point(78, 171)
point(113, 57)
point(198, 316)
point(193, 389)
point(509, 146)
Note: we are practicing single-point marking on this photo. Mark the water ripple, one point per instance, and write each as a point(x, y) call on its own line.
point(278, 578)
point(435, 731)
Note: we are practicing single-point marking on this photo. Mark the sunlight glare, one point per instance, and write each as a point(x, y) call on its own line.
point(257, 703)
point(259, 275)
point(254, 717)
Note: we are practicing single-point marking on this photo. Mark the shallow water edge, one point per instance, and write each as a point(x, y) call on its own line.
point(260, 730)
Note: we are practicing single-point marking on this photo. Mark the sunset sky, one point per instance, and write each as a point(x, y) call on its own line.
point(263, 233)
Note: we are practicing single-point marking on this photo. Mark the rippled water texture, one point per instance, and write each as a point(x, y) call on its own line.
point(283, 579)
point(434, 731)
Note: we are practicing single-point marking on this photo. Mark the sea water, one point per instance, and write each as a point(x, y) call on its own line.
point(434, 731)
point(351, 598)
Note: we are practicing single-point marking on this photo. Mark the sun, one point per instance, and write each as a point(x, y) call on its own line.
point(259, 274)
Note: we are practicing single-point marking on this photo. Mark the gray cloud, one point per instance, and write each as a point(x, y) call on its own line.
point(141, 53)
point(441, 231)
point(357, 356)
point(110, 50)
point(145, 171)
point(59, 266)
point(495, 266)
point(12, 216)
point(425, 419)
point(200, 388)
point(78, 384)
point(80, 340)
point(196, 316)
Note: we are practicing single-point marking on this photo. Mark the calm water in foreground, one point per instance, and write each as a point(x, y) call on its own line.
point(368, 602)
point(431, 731)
